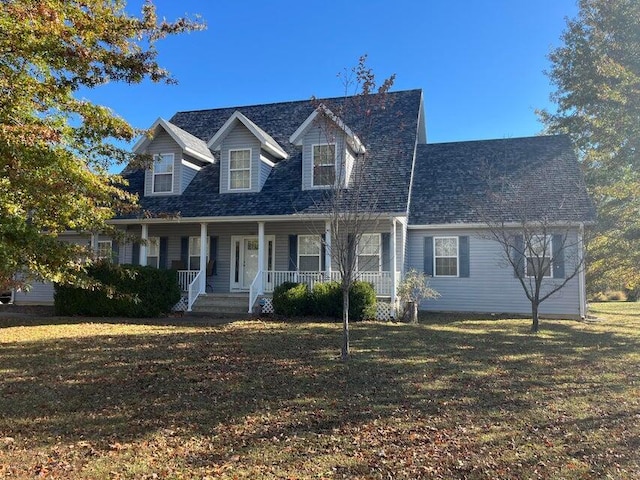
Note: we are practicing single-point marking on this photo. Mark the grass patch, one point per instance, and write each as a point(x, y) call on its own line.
point(454, 397)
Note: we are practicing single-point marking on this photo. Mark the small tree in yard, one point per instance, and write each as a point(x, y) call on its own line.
point(541, 244)
point(351, 205)
point(412, 290)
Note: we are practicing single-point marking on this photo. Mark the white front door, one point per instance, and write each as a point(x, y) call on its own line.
point(244, 260)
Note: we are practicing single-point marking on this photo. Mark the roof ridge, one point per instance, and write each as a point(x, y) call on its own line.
point(505, 139)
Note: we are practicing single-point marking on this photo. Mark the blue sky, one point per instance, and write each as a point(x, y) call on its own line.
point(479, 62)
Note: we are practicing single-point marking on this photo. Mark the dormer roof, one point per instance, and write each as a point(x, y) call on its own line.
point(266, 140)
point(190, 144)
point(352, 138)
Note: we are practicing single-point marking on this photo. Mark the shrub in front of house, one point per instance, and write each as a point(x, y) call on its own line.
point(129, 291)
point(362, 301)
point(326, 300)
point(291, 299)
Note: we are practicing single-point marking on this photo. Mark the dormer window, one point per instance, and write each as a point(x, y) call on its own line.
point(163, 173)
point(324, 165)
point(240, 169)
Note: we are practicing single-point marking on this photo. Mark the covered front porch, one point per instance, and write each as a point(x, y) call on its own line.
point(254, 258)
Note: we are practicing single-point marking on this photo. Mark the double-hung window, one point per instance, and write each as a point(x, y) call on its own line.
point(194, 252)
point(162, 173)
point(445, 254)
point(104, 249)
point(153, 251)
point(309, 251)
point(538, 255)
point(324, 165)
point(240, 169)
point(369, 252)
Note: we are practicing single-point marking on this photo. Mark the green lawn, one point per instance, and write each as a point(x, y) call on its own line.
point(449, 398)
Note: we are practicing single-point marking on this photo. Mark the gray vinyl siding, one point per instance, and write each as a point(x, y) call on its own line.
point(41, 293)
point(491, 286)
point(315, 136)
point(265, 170)
point(187, 173)
point(163, 143)
point(240, 138)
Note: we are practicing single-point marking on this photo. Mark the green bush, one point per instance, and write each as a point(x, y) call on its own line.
point(138, 292)
point(362, 301)
point(326, 300)
point(291, 299)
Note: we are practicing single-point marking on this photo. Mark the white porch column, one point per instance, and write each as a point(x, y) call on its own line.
point(393, 267)
point(143, 245)
point(203, 257)
point(261, 257)
point(327, 249)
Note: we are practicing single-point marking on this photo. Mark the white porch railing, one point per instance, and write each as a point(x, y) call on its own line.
point(267, 281)
point(193, 290)
point(185, 277)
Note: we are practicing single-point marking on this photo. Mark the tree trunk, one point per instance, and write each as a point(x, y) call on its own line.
point(345, 325)
point(413, 312)
point(534, 314)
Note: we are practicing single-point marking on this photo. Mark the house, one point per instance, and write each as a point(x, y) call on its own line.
point(236, 201)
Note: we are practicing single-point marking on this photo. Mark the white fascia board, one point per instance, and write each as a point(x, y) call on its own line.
point(193, 166)
point(147, 137)
point(265, 139)
point(230, 219)
point(460, 226)
point(354, 141)
point(168, 127)
point(198, 155)
point(266, 161)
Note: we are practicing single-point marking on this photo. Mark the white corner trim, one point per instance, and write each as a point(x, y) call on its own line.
point(193, 166)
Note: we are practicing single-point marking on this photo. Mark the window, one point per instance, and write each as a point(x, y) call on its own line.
point(194, 252)
point(309, 251)
point(445, 254)
point(324, 165)
point(163, 173)
point(538, 255)
point(240, 169)
point(153, 251)
point(369, 252)
point(104, 249)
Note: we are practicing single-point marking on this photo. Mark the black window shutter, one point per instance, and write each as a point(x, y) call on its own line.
point(323, 251)
point(164, 253)
point(115, 253)
point(135, 254)
point(386, 252)
point(293, 253)
point(518, 256)
point(213, 254)
point(463, 255)
point(428, 256)
point(184, 252)
point(558, 244)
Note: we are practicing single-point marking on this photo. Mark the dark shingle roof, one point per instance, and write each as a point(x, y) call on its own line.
point(389, 135)
point(537, 176)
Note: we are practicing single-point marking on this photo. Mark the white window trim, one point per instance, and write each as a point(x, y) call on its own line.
point(549, 242)
point(319, 238)
point(156, 242)
point(379, 252)
point(109, 256)
point(229, 170)
point(153, 173)
point(335, 161)
point(457, 257)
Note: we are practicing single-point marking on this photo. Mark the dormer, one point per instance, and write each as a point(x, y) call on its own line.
point(247, 154)
point(329, 150)
point(177, 157)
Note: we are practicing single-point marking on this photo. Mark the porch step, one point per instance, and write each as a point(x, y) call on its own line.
point(224, 304)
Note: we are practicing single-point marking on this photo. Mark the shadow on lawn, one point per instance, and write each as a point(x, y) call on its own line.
point(247, 383)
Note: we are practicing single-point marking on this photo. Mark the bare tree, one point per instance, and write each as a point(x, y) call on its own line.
point(350, 202)
point(540, 240)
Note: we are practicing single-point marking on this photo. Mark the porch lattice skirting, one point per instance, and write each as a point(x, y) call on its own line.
point(182, 305)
